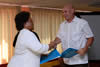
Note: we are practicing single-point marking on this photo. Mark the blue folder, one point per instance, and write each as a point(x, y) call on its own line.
point(52, 55)
point(68, 53)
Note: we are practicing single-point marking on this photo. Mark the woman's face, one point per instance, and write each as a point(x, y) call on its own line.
point(29, 24)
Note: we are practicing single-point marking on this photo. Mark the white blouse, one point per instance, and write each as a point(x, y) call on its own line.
point(27, 51)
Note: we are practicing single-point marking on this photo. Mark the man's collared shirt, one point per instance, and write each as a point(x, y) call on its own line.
point(74, 35)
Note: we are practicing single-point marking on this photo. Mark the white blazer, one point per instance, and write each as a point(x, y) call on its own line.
point(27, 51)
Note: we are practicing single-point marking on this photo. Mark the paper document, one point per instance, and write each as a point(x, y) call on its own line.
point(68, 53)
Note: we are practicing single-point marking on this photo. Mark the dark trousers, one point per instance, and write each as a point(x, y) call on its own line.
point(79, 65)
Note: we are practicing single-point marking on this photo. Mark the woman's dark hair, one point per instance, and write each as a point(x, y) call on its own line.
point(20, 19)
point(15, 39)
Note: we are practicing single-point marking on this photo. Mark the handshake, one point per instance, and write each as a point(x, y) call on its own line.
point(54, 43)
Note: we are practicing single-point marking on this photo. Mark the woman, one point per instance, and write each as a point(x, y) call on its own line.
point(28, 49)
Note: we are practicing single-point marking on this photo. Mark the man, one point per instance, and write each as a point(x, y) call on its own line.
point(75, 33)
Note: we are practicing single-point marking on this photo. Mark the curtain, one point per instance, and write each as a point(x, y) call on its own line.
point(46, 24)
point(7, 32)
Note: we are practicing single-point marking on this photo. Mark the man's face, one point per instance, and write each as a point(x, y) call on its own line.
point(68, 12)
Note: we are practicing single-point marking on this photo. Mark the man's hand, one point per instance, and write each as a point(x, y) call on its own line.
point(82, 51)
point(57, 40)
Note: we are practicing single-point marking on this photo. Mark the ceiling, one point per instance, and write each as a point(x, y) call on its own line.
point(86, 5)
